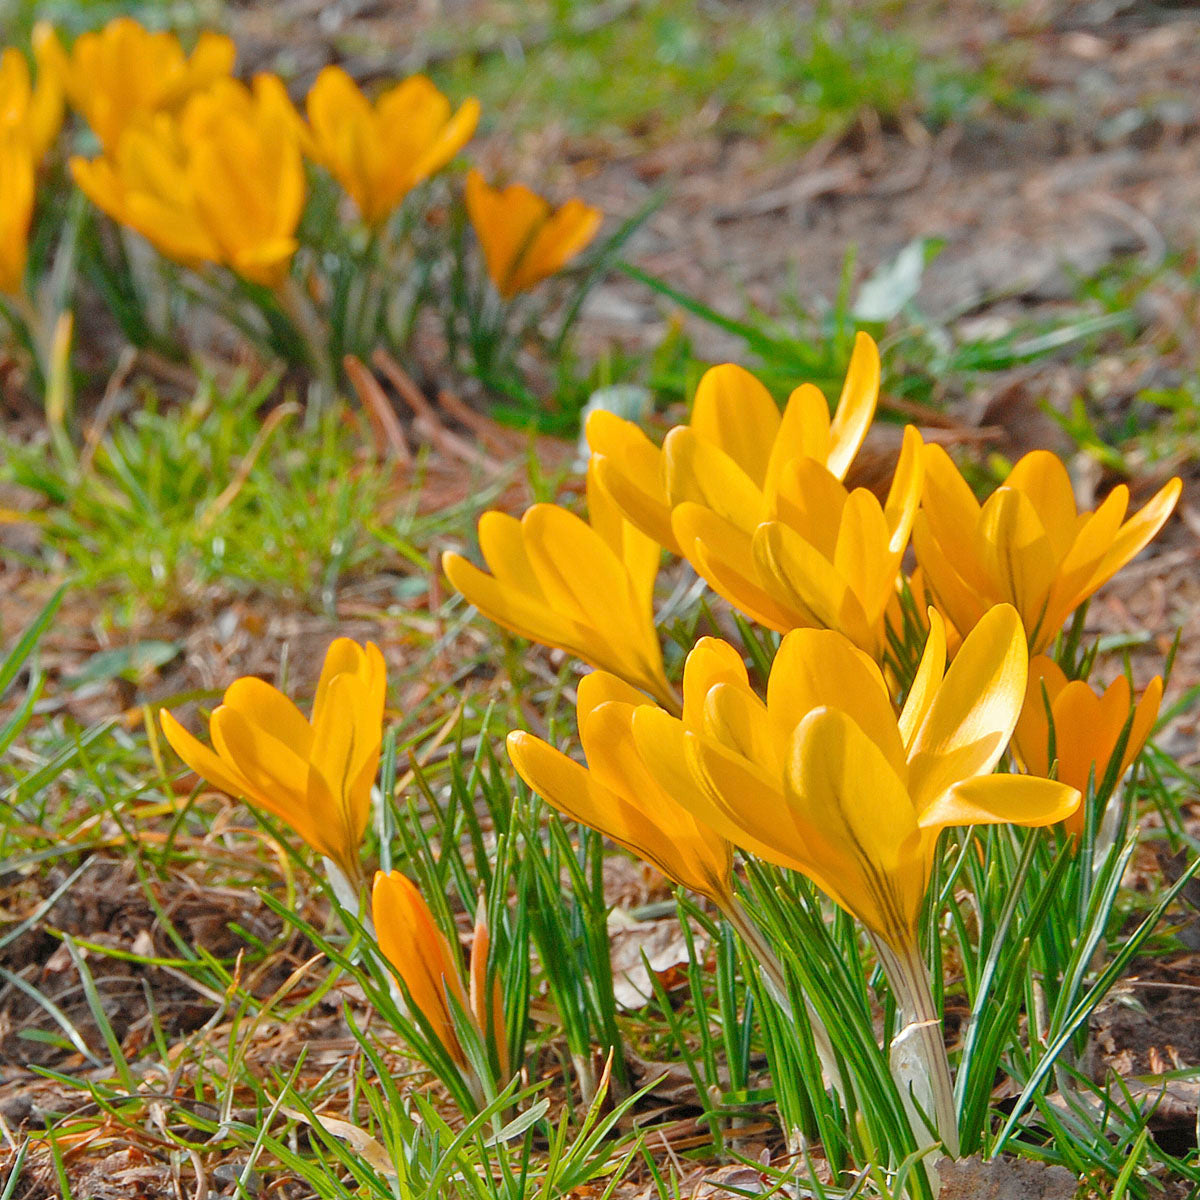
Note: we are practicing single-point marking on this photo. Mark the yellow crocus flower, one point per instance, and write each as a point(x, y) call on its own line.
point(616, 795)
point(1027, 544)
point(16, 210)
point(826, 779)
point(421, 956)
point(31, 112)
point(221, 183)
point(737, 447)
point(380, 152)
point(523, 239)
point(123, 73)
point(1087, 727)
point(586, 587)
point(821, 557)
point(314, 776)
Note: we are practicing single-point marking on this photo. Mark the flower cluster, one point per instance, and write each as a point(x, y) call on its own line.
point(849, 767)
point(846, 768)
point(828, 776)
point(212, 170)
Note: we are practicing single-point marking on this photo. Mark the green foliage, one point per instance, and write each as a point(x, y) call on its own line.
point(800, 75)
point(224, 487)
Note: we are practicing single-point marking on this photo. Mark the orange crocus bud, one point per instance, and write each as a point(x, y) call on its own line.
point(1087, 727)
point(421, 956)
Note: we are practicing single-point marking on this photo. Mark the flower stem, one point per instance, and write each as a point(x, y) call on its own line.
point(316, 342)
point(918, 1052)
point(776, 983)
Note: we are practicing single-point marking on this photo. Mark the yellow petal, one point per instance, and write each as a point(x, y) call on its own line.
point(975, 710)
point(1137, 532)
point(1031, 737)
point(630, 467)
point(1095, 534)
point(525, 614)
point(1041, 477)
point(734, 412)
point(803, 433)
point(419, 954)
point(636, 814)
point(734, 798)
point(564, 234)
point(1002, 800)
point(856, 405)
point(951, 514)
point(1087, 727)
point(1019, 556)
point(958, 600)
point(212, 769)
point(345, 749)
point(817, 668)
point(904, 496)
point(16, 211)
point(582, 578)
point(450, 139)
point(840, 783)
point(721, 555)
point(808, 586)
point(346, 657)
point(700, 471)
point(863, 557)
point(710, 662)
point(505, 222)
point(1144, 718)
point(579, 573)
point(639, 554)
point(737, 718)
point(810, 501)
point(266, 706)
point(659, 828)
point(926, 682)
point(276, 773)
point(602, 687)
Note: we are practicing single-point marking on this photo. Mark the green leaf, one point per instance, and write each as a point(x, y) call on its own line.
point(131, 662)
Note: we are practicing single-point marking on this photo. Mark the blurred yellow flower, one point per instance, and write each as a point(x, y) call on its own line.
point(523, 239)
point(31, 112)
point(1087, 727)
point(124, 73)
point(732, 455)
point(314, 776)
point(16, 210)
point(380, 152)
point(221, 183)
point(821, 556)
point(827, 780)
point(1027, 544)
point(586, 587)
point(616, 795)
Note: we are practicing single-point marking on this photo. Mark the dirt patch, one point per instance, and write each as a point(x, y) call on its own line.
point(109, 908)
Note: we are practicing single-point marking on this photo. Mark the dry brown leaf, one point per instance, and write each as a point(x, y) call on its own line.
point(359, 1140)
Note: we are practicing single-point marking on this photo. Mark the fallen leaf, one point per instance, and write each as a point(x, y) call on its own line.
point(359, 1140)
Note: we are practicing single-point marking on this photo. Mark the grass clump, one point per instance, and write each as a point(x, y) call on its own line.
point(228, 486)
